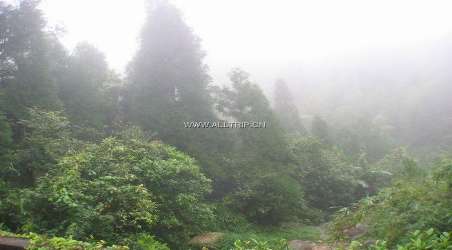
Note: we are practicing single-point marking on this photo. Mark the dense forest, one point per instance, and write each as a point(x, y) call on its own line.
point(164, 158)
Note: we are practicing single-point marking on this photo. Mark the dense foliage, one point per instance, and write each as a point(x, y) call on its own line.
point(286, 109)
point(419, 240)
point(412, 203)
point(89, 159)
point(117, 189)
point(38, 242)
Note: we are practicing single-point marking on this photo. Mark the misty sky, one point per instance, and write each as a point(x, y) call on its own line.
point(265, 37)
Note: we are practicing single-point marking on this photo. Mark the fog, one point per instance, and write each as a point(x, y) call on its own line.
point(339, 58)
point(267, 38)
point(208, 124)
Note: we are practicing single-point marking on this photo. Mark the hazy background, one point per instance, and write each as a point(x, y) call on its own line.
point(268, 38)
point(386, 62)
point(109, 130)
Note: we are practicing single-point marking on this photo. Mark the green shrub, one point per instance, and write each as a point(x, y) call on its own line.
point(40, 242)
point(419, 240)
point(327, 179)
point(230, 220)
point(443, 173)
point(426, 240)
point(409, 205)
point(253, 244)
point(270, 200)
point(119, 188)
point(44, 138)
point(11, 212)
point(271, 236)
point(147, 242)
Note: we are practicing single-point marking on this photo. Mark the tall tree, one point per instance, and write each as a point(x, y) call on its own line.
point(84, 88)
point(320, 130)
point(285, 108)
point(168, 79)
point(24, 60)
point(245, 102)
point(5, 137)
point(260, 164)
point(26, 82)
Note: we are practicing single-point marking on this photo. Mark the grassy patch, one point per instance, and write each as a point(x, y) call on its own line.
point(273, 235)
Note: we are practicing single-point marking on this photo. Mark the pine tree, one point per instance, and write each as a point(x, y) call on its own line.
point(83, 88)
point(24, 59)
point(5, 135)
point(260, 164)
point(167, 78)
point(320, 130)
point(286, 110)
point(246, 102)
